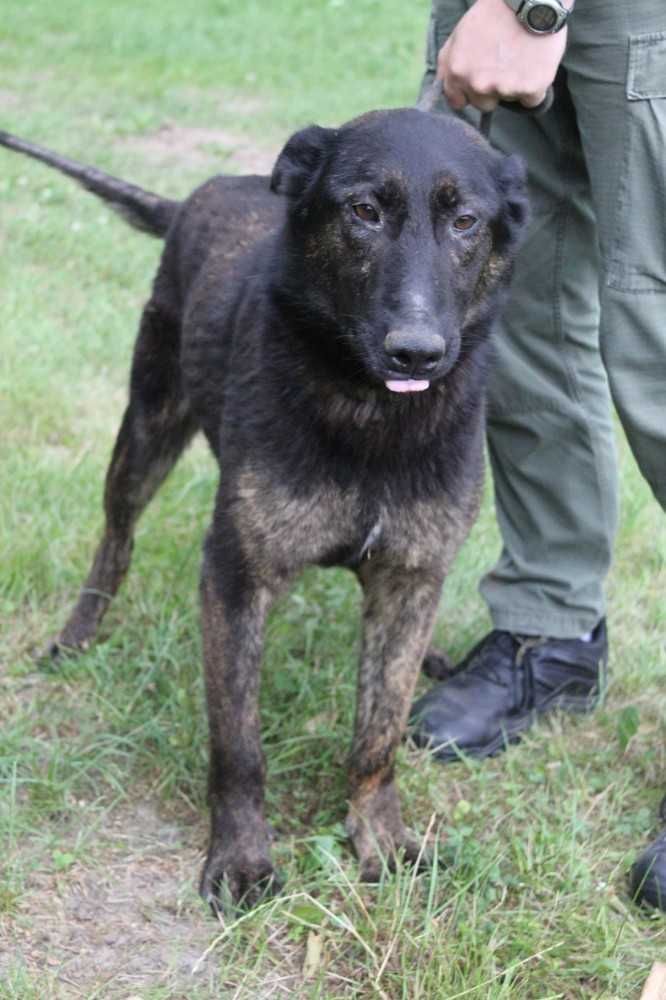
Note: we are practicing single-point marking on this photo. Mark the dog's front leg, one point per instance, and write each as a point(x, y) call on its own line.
point(234, 609)
point(398, 616)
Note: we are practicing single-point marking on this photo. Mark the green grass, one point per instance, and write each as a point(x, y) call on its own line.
point(530, 900)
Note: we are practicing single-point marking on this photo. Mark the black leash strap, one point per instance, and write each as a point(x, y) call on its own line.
point(434, 93)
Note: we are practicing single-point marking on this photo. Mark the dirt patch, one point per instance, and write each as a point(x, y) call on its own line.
point(227, 102)
point(129, 922)
point(8, 100)
point(203, 148)
point(108, 906)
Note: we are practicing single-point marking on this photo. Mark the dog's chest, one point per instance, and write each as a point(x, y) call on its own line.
point(282, 530)
point(286, 527)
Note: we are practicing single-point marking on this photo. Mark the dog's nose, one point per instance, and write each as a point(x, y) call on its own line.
point(414, 351)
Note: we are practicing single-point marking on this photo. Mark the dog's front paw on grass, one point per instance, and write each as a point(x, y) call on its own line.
point(380, 839)
point(410, 852)
point(238, 885)
point(388, 856)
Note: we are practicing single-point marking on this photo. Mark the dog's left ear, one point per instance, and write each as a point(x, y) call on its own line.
point(300, 159)
point(515, 213)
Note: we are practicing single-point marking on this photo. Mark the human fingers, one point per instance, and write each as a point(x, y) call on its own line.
point(452, 85)
point(532, 100)
point(484, 101)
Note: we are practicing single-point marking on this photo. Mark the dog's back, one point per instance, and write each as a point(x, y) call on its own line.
point(214, 245)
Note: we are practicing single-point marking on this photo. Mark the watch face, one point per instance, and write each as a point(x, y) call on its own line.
point(542, 18)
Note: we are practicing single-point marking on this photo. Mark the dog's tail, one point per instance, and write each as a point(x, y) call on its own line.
point(142, 209)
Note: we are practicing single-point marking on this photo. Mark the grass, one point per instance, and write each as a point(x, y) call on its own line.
point(102, 762)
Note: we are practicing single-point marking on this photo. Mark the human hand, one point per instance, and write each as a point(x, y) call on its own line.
point(490, 57)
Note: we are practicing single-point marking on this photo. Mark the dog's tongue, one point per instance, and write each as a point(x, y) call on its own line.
point(406, 385)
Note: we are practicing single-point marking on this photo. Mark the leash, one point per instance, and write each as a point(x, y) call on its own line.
point(434, 93)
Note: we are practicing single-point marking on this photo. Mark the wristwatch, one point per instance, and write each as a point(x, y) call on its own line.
point(541, 17)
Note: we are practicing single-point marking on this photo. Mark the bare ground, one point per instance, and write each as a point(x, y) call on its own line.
point(8, 99)
point(114, 910)
point(129, 922)
point(197, 147)
point(200, 147)
point(122, 924)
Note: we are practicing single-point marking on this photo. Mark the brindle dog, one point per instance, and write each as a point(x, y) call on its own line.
point(328, 330)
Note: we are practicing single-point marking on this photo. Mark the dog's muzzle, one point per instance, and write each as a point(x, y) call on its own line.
point(412, 355)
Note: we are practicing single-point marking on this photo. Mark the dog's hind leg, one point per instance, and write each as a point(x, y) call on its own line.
point(398, 617)
point(155, 429)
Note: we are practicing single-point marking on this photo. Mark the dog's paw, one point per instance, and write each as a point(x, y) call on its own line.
point(380, 839)
point(437, 665)
point(238, 885)
point(409, 851)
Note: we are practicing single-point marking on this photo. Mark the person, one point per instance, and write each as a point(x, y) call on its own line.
point(585, 326)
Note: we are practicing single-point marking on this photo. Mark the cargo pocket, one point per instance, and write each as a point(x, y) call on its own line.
point(638, 250)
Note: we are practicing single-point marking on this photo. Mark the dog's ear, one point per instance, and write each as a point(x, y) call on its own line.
point(515, 213)
point(300, 159)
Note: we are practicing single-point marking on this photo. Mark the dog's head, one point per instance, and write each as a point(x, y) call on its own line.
point(402, 228)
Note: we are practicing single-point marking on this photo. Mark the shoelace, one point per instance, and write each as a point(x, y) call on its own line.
point(488, 671)
point(522, 659)
point(521, 681)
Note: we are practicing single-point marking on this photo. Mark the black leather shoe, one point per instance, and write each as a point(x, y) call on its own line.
point(647, 878)
point(501, 687)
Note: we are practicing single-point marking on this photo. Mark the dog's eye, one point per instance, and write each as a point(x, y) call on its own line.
point(464, 222)
point(365, 212)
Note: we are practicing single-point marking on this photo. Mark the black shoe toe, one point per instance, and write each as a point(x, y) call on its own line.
point(502, 686)
point(647, 878)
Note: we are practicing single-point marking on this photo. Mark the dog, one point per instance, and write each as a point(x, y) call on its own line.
point(329, 331)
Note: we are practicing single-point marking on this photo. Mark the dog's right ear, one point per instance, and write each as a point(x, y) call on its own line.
point(300, 159)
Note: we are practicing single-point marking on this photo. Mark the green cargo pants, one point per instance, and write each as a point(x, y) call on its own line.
point(587, 316)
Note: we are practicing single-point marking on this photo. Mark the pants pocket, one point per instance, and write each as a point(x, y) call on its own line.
point(638, 251)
